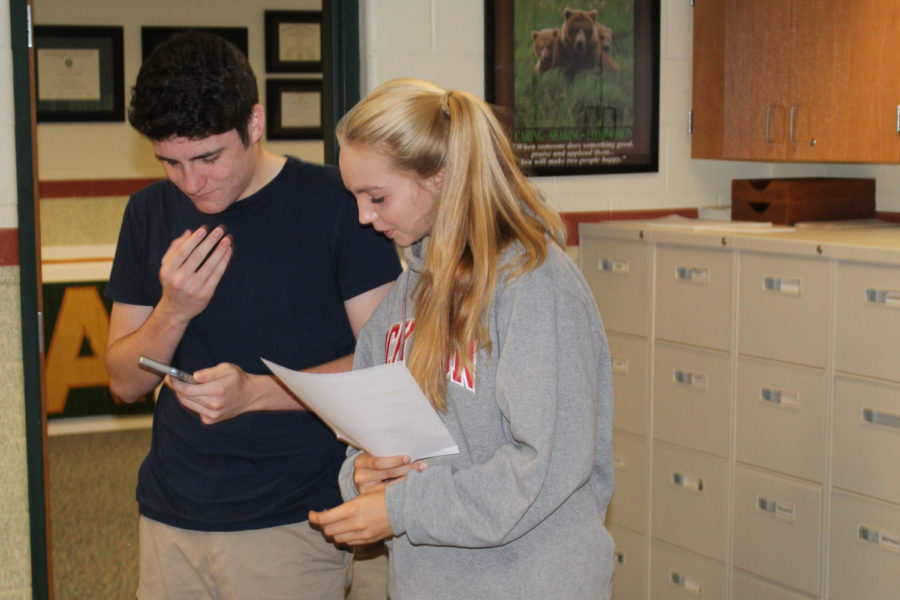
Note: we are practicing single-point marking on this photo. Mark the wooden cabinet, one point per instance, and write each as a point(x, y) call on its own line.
point(796, 80)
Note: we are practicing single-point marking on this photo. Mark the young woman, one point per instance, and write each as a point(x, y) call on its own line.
point(500, 330)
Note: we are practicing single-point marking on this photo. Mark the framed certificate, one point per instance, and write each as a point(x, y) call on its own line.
point(293, 41)
point(79, 73)
point(294, 109)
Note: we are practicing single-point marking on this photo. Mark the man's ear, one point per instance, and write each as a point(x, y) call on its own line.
point(256, 126)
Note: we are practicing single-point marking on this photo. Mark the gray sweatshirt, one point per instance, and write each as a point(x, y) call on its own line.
point(519, 512)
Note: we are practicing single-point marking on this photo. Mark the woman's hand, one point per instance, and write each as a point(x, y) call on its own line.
point(374, 472)
point(363, 520)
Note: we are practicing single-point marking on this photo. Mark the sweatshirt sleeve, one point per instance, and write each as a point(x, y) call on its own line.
point(551, 386)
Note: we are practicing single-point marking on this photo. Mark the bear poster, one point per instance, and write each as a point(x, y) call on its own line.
point(577, 83)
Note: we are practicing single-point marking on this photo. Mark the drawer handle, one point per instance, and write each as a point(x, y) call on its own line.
point(880, 418)
point(781, 285)
point(688, 483)
point(620, 365)
point(778, 509)
point(689, 585)
point(619, 462)
point(692, 274)
point(620, 557)
point(785, 398)
point(612, 265)
point(884, 540)
point(886, 297)
point(695, 380)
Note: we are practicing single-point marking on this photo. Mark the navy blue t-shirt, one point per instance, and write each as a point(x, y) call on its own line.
point(299, 253)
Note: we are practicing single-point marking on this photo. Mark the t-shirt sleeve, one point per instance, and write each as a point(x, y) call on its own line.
point(128, 280)
point(365, 258)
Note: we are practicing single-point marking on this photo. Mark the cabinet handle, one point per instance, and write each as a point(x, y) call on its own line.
point(880, 418)
point(688, 483)
point(782, 285)
point(886, 297)
point(619, 365)
point(794, 109)
point(898, 118)
point(785, 398)
point(619, 462)
point(879, 538)
point(692, 274)
point(769, 108)
point(695, 380)
point(778, 509)
point(693, 586)
point(611, 265)
point(620, 557)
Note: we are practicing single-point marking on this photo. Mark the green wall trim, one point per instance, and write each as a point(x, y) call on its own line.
point(28, 277)
point(340, 21)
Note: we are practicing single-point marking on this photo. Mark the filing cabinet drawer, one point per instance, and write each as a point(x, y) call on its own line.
point(694, 292)
point(692, 397)
point(865, 549)
point(618, 273)
point(629, 504)
point(679, 575)
point(747, 587)
point(629, 371)
point(868, 320)
point(630, 566)
point(783, 308)
point(867, 437)
point(781, 417)
point(689, 500)
point(777, 528)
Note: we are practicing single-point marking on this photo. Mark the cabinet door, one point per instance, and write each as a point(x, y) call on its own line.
point(843, 64)
point(740, 79)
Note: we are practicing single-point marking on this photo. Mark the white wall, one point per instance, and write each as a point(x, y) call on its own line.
point(115, 150)
point(443, 40)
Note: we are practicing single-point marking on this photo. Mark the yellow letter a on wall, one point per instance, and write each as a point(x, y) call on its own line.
point(81, 316)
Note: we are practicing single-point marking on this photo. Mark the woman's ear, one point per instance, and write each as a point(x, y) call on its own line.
point(434, 182)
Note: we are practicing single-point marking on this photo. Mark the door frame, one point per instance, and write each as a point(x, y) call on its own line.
point(30, 296)
point(341, 33)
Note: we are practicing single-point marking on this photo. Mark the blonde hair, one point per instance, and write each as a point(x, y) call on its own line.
point(485, 204)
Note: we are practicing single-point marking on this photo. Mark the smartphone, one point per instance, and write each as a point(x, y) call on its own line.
point(163, 369)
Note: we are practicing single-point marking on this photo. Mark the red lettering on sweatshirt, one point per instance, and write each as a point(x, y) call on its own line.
point(395, 349)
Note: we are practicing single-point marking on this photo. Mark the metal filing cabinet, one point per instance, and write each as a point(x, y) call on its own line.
point(770, 415)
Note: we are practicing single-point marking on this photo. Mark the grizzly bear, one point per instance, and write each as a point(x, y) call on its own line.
point(546, 47)
point(603, 55)
point(579, 41)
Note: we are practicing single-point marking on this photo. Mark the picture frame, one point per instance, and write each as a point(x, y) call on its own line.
point(79, 73)
point(151, 36)
point(294, 109)
point(293, 41)
point(590, 103)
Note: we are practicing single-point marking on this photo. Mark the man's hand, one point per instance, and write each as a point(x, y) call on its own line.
point(224, 392)
point(191, 269)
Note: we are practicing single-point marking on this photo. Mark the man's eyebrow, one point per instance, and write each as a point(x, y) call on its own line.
point(198, 157)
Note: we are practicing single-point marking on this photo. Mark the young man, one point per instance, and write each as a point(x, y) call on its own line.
point(239, 254)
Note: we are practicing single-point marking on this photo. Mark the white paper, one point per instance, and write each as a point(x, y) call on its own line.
point(381, 409)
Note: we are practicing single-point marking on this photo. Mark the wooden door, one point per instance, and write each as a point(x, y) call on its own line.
point(844, 77)
point(740, 79)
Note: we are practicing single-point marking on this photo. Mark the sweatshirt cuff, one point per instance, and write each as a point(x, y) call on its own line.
point(393, 497)
point(345, 477)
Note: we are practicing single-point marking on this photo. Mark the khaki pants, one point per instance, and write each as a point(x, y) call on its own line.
point(289, 562)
